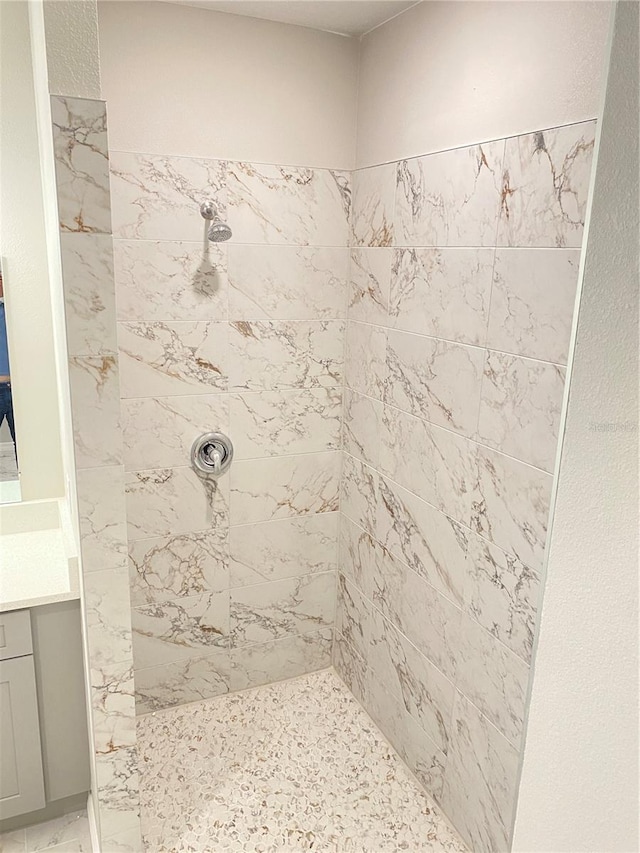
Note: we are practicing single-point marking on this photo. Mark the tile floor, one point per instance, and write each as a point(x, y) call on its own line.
point(68, 834)
point(294, 766)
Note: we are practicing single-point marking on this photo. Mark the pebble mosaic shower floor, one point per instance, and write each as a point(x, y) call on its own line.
point(293, 766)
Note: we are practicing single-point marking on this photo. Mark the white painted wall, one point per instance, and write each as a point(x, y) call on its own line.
point(579, 787)
point(186, 81)
point(23, 246)
point(72, 47)
point(447, 74)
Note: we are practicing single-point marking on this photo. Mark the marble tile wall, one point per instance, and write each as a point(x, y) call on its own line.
point(82, 175)
point(232, 581)
point(464, 266)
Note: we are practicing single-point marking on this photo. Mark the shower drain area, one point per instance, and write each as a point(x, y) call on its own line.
point(292, 766)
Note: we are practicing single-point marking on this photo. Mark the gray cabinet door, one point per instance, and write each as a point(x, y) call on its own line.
point(21, 778)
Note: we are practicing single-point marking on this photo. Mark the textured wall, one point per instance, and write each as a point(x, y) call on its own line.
point(585, 687)
point(461, 295)
point(72, 47)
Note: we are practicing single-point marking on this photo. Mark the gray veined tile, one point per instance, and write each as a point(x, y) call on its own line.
point(437, 465)
point(187, 680)
point(87, 263)
point(282, 487)
point(449, 199)
point(291, 205)
point(429, 542)
point(171, 501)
point(186, 627)
point(532, 301)
point(108, 617)
point(361, 427)
point(95, 403)
point(359, 493)
point(274, 423)
point(158, 432)
point(353, 617)
point(442, 292)
point(291, 606)
point(288, 547)
point(82, 164)
point(520, 407)
point(545, 186)
point(369, 283)
point(118, 790)
point(180, 565)
point(351, 668)
point(411, 678)
point(434, 380)
point(480, 786)
point(276, 660)
point(158, 198)
point(160, 359)
point(113, 705)
point(160, 280)
point(127, 841)
point(69, 833)
point(278, 354)
point(512, 506)
point(501, 593)
point(373, 198)
point(287, 282)
point(102, 514)
point(358, 555)
point(365, 368)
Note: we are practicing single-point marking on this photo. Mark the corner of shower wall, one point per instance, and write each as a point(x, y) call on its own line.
point(84, 210)
point(463, 275)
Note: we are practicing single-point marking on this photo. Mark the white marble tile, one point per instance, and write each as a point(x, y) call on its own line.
point(173, 630)
point(369, 283)
point(160, 359)
point(265, 489)
point(95, 403)
point(286, 548)
point(188, 680)
point(512, 507)
point(113, 707)
point(280, 608)
point(279, 659)
point(108, 616)
point(87, 267)
point(501, 593)
point(405, 599)
point(158, 198)
point(493, 678)
point(359, 493)
point(361, 427)
point(442, 292)
point(407, 674)
point(158, 431)
point(161, 280)
point(82, 164)
point(434, 380)
point(273, 354)
point(532, 301)
point(13, 842)
point(351, 668)
point(520, 407)
point(170, 567)
point(438, 465)
point(118, 791)
point(274, 423)
point(68, 833)
point(102, 513)
point(451, 198)
point(373, 198)
point(358, 555)
point(287, 282)
point(172, 501)
point(365, 369)
point(480, 786)
point(429, 542)
point(353, 617)
point(127, 841)
point(281, 204)
point(545, 186)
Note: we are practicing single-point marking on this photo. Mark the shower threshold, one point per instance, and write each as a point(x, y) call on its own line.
point(292, 766)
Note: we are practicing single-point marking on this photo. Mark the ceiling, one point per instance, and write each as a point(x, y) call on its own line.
point(346, 17)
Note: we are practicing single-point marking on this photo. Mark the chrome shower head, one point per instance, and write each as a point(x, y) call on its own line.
point(219, 231)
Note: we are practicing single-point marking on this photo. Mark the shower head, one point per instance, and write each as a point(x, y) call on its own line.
point(219, 230)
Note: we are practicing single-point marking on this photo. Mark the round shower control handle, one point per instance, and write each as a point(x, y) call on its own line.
point(212, 453)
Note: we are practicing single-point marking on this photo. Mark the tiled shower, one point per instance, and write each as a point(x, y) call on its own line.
point(386, 348)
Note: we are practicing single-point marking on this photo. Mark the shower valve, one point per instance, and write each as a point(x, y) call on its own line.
point(212, 453)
